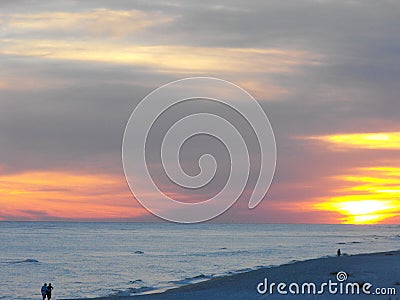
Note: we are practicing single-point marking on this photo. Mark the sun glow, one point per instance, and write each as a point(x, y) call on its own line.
point(373, 196)
point(363, 211)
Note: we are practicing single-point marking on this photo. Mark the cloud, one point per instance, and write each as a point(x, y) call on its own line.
point(9, 83)
point(100, 22)
point(375, 140)
point(166, 58)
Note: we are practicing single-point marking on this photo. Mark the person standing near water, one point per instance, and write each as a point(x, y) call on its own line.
point(48, 291)
point(43, 290)
point(339, 252)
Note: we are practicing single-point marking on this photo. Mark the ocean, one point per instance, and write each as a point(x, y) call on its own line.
point(101, 259)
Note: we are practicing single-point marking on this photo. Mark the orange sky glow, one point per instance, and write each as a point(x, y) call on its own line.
point(64, 195)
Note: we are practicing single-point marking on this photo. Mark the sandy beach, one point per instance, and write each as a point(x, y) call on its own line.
point(375, 273)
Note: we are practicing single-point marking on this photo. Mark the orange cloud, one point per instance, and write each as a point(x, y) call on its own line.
point(378, 140)
point(66, 195)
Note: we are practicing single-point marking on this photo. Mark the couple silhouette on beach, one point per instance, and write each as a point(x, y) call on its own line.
point(46, 291)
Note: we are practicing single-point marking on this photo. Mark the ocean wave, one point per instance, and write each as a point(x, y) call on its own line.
point(190, 280)
point(29, 260)
point(260, 266)
point(221, 251)
point(349, 243)
point(240, 271)
point(132, 291)
point(201, 276)
point(136, 281)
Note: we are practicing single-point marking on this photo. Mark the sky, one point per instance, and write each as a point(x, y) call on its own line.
point(325, 72)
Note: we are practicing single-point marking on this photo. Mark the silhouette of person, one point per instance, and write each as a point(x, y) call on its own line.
point(48, 291)
point(339, 252)
point(43, 290)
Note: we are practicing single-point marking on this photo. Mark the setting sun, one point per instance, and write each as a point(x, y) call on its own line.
point(363, 211)
point(372, 197)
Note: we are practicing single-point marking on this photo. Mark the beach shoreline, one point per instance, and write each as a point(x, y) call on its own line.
point(380, 269)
